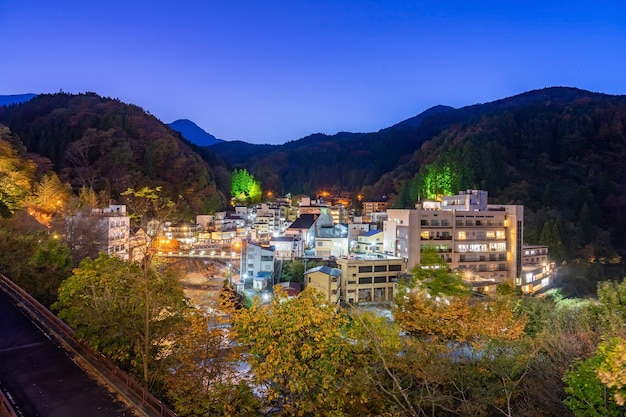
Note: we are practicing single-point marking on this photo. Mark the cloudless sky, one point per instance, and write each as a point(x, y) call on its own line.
point(269, 71)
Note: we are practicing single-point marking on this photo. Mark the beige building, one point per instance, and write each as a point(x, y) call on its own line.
point(369, 278)
point(369, 242)
point(99, 230)
point(326, 280)
point(338, 213)
point(370, 207)
point(483, 241)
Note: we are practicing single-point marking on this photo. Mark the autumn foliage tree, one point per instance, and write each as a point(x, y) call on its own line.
point(203, 378)
point(297, 354)
point(16, 174)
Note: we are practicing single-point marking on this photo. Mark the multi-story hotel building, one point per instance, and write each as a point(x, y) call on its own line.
point(483, 241)
point(376, 206)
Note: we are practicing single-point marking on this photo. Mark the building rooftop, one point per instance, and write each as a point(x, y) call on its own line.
point(291, 288)
point(371, 233)
point(368, 257)
point(333, 272)
point(283, 238)
point(305, 221)
point(258, 245)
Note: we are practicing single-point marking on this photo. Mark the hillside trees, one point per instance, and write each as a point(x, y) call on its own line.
point(612, 367)
point(35, 261)
point(16, 175)
point(49, 194)
point(109, 146)
point(552, 155)
point(107, 300)
point(244, 187)
point(49, 200)
point(486, 336)
point(587, 395)
point(595, 381)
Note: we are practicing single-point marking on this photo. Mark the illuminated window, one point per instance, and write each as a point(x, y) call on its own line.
point(461, 235)
point(477, 247)
point(529, 277)
point(500, 234)
point(425, 235)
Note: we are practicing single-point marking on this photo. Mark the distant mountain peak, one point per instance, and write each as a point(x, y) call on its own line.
point(15, 99)
point(194, 133)
point(415, 121)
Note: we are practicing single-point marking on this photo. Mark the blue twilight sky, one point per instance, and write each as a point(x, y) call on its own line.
point(270, 71)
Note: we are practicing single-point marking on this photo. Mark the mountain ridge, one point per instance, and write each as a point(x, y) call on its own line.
point(557, 151)
point(7, 100)
point(194, 133)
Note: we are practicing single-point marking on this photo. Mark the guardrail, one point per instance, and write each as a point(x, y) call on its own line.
point(6, 410)
point(134, 392)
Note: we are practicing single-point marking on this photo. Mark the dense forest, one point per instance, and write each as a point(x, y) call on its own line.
point(108, 146)
point(341, 162)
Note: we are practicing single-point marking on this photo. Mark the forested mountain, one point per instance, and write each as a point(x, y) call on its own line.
point(351, 161)
point(109, 146)
point(558, 151)
point(342, 162)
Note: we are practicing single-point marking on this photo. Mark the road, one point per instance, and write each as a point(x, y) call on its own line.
point(41, 379)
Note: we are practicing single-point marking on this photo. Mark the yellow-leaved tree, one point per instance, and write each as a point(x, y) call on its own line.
point(298, 357)
point(205, 378)
point(612, 368)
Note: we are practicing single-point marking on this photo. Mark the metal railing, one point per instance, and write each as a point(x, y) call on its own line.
point(6, 410)
point(134, 392)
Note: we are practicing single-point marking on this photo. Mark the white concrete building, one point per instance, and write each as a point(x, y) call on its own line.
point(482, 240)
point(256, 260)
